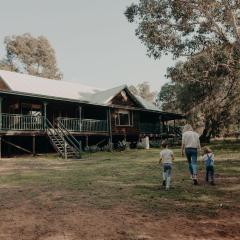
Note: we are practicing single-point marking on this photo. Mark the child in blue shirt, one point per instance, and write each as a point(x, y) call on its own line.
point(208, 158)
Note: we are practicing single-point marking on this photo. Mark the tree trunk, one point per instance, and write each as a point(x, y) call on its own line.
point(207, 132)
point(210, 130)
point(206, 136)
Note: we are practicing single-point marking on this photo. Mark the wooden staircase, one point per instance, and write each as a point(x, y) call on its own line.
point(63, 141)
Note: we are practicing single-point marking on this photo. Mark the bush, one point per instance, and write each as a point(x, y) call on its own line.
point(92, 149)
point(140, 145)
point(122, 145)
point(155, 143)
point(107, 148)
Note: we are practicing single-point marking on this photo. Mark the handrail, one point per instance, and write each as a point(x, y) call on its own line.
point(22, 115)
point(85, 119)
point(156, 128)
point(52, 127)
point(56, 131)
point(69, 137)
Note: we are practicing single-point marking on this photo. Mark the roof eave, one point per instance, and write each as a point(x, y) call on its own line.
point(8, 92)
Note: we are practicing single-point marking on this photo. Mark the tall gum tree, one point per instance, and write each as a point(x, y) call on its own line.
point(31, 55)
point(208, 89)
point(197, 30)
point(185, 27)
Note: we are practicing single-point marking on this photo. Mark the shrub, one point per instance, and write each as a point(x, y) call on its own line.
point(140, 145)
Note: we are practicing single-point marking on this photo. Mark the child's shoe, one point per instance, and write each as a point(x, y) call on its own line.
point(212, 183)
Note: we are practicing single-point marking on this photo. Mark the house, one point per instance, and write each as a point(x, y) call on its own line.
point(38, 114)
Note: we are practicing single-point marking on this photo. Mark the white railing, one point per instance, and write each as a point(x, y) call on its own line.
point(21, 122)
point(85, 125)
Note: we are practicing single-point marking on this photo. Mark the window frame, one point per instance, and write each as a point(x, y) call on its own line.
point(130, 118)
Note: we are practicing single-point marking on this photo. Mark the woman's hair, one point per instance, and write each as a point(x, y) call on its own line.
point(187, 127)
point(206, 150)
point(164, 144)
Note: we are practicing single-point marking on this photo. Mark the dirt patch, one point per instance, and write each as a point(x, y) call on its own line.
point(48, 218)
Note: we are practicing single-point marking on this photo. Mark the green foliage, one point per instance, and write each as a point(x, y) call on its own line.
point(206, 33)
point(140, 145)
point(184, 27)
point(167, 97)
point(209, 88)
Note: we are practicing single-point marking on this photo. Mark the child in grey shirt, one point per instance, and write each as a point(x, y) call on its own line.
point(166, 157)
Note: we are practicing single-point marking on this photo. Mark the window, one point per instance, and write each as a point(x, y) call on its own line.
point(123, 118)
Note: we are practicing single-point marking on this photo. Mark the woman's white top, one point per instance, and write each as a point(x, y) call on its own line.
point(190, 139)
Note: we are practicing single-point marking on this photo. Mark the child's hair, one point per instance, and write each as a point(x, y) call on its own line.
point(206, 150)
point(164, 144)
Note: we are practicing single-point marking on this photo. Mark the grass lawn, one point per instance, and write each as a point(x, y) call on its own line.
point(130, 179)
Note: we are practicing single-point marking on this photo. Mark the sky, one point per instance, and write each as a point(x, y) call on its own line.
point(94, 43)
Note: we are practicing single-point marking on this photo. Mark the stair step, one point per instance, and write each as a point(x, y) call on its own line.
point(57, 138)
point(58, 141)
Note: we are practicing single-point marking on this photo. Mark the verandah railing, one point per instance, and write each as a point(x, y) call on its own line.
point(155, 128)
point(36, 123)
point(148, 128)
point(85, 125)
point(29, 123)
point(21, 122)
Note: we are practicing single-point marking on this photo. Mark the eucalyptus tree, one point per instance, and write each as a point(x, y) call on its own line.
point(32, 55)
point(144, 91)
point(208, 89)
point(207, 34)
point(185, 27)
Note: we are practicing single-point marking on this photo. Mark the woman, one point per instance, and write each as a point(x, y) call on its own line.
point(191, 145)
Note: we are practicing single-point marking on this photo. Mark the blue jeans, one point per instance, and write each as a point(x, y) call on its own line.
point(167, 169)
point(191, 154)
point(210, 173)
